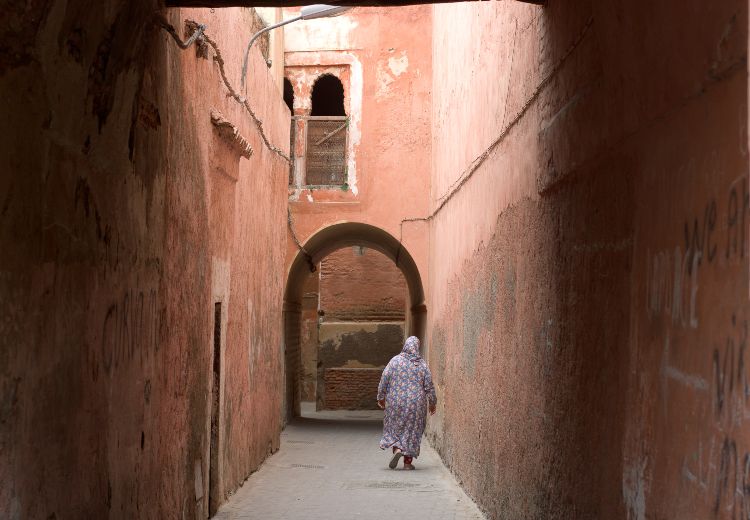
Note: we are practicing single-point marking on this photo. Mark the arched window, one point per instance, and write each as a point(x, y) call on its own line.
point(326, 134)
point(328, 97)
point(289, 95)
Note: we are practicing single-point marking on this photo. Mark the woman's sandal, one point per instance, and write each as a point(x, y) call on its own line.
point(409, 466)
point(394, 459)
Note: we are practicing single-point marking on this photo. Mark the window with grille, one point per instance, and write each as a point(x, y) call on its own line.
point(325, 153)
point(326, 134)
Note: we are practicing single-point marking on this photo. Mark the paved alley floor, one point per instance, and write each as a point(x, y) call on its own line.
point(329, 467)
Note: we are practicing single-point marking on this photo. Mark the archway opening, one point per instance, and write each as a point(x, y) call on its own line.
point(299, 305)
point(328, 97)
point(353, 321)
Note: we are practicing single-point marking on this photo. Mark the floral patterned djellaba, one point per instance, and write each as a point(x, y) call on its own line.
point(406, 391)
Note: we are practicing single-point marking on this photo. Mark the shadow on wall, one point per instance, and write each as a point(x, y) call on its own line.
point(600, 309)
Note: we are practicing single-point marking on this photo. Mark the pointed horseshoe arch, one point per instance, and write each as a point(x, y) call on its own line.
point(317, 247)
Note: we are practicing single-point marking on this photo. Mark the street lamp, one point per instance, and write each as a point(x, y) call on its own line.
point(308, 12)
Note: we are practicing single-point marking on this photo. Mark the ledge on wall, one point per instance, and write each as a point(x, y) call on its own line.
point(231, 134)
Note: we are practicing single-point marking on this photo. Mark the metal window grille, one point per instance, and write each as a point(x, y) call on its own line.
point(325, 151)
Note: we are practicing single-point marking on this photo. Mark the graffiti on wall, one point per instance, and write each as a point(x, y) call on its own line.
point(711, 244)
point(714, 237)
point(720, 465)
point(672, 279)
point(730, 394)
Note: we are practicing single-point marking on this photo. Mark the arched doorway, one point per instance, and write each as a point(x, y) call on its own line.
point(320, 245)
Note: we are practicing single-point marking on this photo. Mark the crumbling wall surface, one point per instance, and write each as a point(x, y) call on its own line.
point(356, 344)
point(360, 284)
point(589, 257)
point(113, 228)
point(358, 347)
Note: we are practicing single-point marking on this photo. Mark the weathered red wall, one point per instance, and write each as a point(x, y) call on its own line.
point(361, 287)
point(125, 218)
point(589, 257)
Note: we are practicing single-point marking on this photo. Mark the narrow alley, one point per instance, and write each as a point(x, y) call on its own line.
point(233, 231)
point(327, 468)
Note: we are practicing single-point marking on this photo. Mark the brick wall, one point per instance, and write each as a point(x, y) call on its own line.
point(361, 284)
point(351, 388)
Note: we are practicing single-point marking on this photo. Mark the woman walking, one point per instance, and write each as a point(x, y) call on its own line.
point(405, 392)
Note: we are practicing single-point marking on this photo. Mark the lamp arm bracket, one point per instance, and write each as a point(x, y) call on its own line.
point(255, 37)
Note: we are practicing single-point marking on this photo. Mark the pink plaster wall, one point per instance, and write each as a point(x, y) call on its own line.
point(389, 62)
point(129, 218)
point(589, 280)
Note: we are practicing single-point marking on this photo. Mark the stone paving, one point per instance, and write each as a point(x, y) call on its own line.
point(330, 467)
